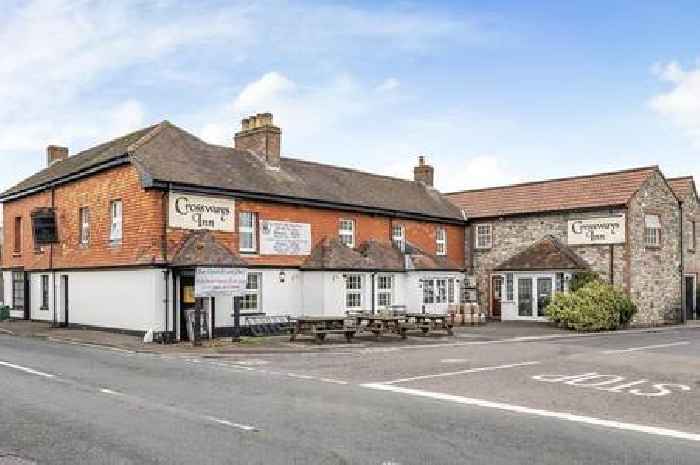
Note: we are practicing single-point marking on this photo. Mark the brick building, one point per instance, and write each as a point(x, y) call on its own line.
point(525, 241)
point(110, 237)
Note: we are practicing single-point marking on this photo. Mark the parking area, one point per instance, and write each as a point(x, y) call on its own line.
point(646, 381)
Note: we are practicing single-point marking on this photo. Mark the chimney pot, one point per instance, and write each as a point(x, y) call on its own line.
point(245, 124)
point(55, 153)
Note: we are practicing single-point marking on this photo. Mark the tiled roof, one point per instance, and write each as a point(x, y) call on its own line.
point(597, 190)
point(100, 154)
point(683, 187)
point(547, 254)
point(169, 154)
point(331, 254)
point(200, 248)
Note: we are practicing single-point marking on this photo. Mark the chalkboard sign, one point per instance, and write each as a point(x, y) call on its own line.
point(203, 324)
point(44, 226)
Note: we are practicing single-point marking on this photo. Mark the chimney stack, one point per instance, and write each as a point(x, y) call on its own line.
point(423, 173)
point(259, 135)
point(54, 153)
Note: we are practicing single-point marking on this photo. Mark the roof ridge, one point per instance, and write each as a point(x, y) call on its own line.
point(545, 181)
point(681, 178)
point(353, 170)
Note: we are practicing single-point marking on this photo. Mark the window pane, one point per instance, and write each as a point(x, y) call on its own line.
point(428, 291)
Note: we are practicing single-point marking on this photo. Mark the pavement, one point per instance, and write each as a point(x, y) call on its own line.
point(528, 395)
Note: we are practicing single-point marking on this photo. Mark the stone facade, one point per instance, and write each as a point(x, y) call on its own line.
point(652, 276)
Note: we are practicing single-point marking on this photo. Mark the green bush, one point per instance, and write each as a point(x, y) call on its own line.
point(597, 306)
point(582, 279)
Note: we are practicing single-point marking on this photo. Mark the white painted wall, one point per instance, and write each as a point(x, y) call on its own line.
point(124, 299)
point(6, 276)
point(278, 298)
point(36, 312)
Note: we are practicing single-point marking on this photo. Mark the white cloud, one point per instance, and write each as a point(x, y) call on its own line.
point(681, 104)
point(263, 93)
point(388, 85)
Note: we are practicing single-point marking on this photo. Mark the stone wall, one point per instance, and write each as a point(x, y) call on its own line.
point(655, 274)
point(514, 234)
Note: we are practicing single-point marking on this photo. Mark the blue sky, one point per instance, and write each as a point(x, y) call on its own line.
point(492, 92)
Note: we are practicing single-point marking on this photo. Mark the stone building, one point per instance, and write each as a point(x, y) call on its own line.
point(687, 194)
point(524, 242)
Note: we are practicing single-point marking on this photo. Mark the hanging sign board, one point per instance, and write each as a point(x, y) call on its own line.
point(284, 238)
point(213, 282)
point(188, 211)
point(596, 231)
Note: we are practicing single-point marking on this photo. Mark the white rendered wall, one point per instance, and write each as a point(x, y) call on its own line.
point(124, 299)
point(278, 298)
point(37, 313)
point(7, 288)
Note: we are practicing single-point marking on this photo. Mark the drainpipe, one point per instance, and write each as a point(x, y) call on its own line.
point(53, 272)
point(372, 275)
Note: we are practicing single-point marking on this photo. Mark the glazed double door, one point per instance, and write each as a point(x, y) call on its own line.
point(534, 294)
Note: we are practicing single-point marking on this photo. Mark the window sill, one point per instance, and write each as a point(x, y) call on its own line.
point(248, 252)
point(44, 309)
point(115, 243)
point(652, 247)
point(16, 254)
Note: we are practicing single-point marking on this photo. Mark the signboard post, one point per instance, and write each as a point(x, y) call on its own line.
point(597, 231)
point(212, 282)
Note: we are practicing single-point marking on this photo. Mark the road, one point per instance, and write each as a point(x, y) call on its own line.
point(629, 399)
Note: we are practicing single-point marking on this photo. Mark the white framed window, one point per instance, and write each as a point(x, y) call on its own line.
point(428, 291)
point(247, 232)
point(451, 290)
point(440, 291)
point(116, 212)
point(652, 230)
point(441, 241)
point(398, 236)
point(483, 238)
point(385, 291)
point(84, 214)
point(353, 291)
point(346, 232)
point(251, 302)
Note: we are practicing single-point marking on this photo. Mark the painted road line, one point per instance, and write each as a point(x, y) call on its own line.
point(26, 370)
point(462, 372)
point(657, 346)
point(613, 424)
point(110, 392)
point(232, 425)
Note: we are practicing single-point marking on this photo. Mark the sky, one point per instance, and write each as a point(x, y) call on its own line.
point(491, 92)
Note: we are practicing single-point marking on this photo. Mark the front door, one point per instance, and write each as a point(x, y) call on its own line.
point(496, 296)
point(187, 302)
point(544, 295)
point(525, 297)
point(690, 301)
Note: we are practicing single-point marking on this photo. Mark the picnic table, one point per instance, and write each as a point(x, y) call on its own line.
point(379, 324)
point(431, 322)
point(320, 326)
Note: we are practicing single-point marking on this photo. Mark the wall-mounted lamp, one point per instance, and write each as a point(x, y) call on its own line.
point(283, 276)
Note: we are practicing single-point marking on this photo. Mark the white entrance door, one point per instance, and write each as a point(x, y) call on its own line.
point(534, 292)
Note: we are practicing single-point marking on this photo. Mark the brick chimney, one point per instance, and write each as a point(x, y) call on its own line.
point(54, 153)
point(423, 173)
point(258, 134)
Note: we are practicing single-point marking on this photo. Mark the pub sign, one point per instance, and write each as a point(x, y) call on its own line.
point(597, 231)
point(188, 211)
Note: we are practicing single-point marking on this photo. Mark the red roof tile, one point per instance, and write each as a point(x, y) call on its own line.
point(591, 191)
point(683, 186)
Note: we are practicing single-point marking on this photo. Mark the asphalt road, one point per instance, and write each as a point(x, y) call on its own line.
point(628, 399)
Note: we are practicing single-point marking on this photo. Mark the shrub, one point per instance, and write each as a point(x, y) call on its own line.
point(582, 279)
point(597, 306)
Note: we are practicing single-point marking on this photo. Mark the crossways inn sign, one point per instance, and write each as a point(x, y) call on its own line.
point(597, 231)
point(284, 238)
point(201, 212)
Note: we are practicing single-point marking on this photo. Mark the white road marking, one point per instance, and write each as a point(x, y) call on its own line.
point(653, 430)
point(233, 425)
point(26, 370)
point(463, 372)
point(110, 392)
point(657, 346)
point(453, 360)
